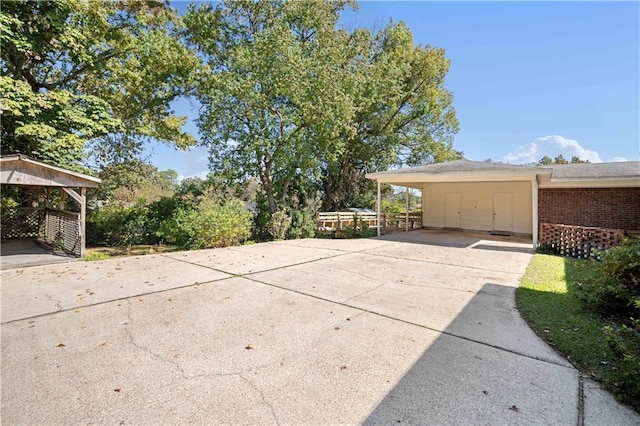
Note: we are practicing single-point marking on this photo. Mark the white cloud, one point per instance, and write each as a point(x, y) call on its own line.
point(618, 160)
point(201, 175)
point(551, 146)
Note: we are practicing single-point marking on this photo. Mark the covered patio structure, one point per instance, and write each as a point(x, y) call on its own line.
point(59, 228)
point(570, 208)
point(500, 199)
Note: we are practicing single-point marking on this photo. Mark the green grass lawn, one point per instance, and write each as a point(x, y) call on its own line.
point(101, 253)
point(546, 300)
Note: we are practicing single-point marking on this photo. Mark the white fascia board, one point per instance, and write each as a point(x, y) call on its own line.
point(590, 183)
point(400, 178)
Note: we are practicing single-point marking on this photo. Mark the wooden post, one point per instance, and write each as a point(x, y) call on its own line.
point(406, 218)
point(378, 206)
point(83, 218)
point(384, 224)
point(63, 196)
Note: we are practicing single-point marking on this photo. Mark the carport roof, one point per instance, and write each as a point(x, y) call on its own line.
point(458, 171)
point(580, 174)
point(21, 170)
point(460, 166)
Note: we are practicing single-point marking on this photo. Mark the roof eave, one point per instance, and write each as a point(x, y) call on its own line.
point(86, 180)
point(608, 182)
point(493, 175)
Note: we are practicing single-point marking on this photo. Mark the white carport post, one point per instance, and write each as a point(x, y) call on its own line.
point(83, 221)
point(534, 213)
point(406, 219)
point(378, 205)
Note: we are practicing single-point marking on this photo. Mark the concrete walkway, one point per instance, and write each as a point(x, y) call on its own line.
point(417, 328)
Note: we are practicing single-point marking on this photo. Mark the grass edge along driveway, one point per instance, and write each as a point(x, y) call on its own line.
point(546, 300)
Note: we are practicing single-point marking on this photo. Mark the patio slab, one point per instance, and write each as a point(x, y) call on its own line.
point(35, 291)
point(254, 258)
point(285, 333)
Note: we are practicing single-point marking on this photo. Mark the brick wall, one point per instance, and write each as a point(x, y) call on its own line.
point(613, 208)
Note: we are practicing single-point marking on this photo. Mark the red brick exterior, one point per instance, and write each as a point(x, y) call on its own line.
point(613, 208)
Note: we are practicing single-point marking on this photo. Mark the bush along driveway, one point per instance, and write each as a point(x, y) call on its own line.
point(588, 311)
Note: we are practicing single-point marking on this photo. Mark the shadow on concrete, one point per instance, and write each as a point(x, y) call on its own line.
point(513, 249)
point(455, 239)
point(474, 373)
point(27, 252)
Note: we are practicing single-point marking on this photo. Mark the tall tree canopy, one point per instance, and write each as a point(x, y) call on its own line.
point(77, 71)
point(300, 104)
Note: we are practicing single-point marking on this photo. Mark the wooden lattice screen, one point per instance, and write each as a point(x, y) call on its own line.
point(21, 222)
point(578, 241)
point(58, 228)
point(62, 230)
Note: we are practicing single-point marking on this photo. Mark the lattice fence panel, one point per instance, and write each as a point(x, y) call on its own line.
point(62, 230)
point(578, 241)
point(20, 222)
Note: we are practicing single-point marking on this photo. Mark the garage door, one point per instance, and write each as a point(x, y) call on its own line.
point(503, 212)
point(478, 206)
point(452, 211)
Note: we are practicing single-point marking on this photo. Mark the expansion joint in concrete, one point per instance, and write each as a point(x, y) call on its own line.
point(580, 400)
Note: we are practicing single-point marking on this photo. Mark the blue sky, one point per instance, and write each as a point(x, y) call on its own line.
point(529, 78)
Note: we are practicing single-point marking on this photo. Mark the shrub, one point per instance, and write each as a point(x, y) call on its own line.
point(159, 211)
point(116, 225)
point(303, 223)
point(360, 229)
point(279, 225)
point(614, 290)
point(209, 224)
point(395, 207)
point(624, 341)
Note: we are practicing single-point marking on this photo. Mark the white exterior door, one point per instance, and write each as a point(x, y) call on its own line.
point(503, 212)
point(452, 210)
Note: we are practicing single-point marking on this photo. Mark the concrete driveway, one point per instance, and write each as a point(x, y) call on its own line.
point(414, 328)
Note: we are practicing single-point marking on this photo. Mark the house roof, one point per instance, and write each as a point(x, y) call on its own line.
point(627, 169)
point(21, 170)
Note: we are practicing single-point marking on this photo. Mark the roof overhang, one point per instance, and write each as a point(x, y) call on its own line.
point(589, 183)
point(417, 180)
point(615, 175)
point(20, 170)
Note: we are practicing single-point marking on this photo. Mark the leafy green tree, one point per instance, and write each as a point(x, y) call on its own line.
point(547, 161)
point(560, 160)
point(575, 159)
point(52, 126)
point(257, 97)
point(403, 114)
point(97, 71)
point(300, 105)
point(136, 181)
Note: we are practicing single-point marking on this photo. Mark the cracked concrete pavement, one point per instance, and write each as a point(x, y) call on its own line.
point(416, 328)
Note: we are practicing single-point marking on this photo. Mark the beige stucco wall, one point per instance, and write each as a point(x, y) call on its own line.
point(476, 204)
